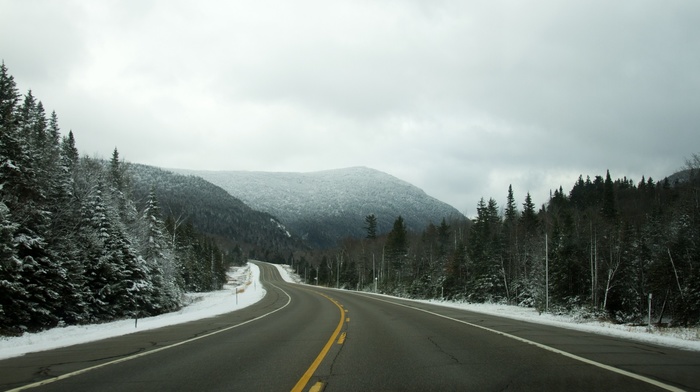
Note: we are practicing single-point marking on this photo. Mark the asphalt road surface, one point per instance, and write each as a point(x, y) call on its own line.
point(304, 338)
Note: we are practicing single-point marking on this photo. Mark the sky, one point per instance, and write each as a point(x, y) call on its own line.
point(460, 98)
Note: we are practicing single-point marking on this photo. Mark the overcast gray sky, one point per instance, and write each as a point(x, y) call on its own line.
point(461, 98)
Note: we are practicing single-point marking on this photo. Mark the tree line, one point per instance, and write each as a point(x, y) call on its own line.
point(75, 247)
point(612, 249)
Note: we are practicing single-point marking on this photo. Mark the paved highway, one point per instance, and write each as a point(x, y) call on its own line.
point(308, 338)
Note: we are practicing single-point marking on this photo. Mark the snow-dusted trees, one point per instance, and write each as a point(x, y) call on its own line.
point(112, 269)
point(73, 246)
point(486, 279)
point(605, 247)
point(158, 254)
point(31, 265)
point(200, 264)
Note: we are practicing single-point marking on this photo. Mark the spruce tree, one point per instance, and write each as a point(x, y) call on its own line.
point(443, 237)
point(14, 310)
point(371, 221)
point(116, 173)
point(528, 218)
point(9, 98)
point(69, 151)
point(397, 243)
point(609, 210)
point(117, 280)
point(511, 213)
point(158, 255)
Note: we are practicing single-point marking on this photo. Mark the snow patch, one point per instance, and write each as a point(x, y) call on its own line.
point(243, 284)
point(683, 338)
point(288, 274)
point(246, 280)
point(281, 227)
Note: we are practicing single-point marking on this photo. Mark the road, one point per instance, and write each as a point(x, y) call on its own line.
point(308, 338)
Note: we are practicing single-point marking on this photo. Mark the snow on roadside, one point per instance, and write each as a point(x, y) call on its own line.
point(245, 280)
point(683, 338)
point(288, 274)
point(204, 305)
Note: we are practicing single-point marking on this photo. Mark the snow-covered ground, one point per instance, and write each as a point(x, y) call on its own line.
point(684, 338)
point(244, 280)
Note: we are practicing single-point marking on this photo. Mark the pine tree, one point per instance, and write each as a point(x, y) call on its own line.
point(158, 256)
point(13, 306)
point(511, 213)
point(116, 172)
point(511, 255)
point(14, 311)
point(69, 151)
point(397, 245)
point(443, 232)
point(24, 189)
point(609, 210)
point(371, 227)
point(118, 280)
point(485, 254)
point(9, 99)
point(528, 218)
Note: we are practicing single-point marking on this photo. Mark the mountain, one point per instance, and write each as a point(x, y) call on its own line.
point(326, 206)
point(215, 212)
point(681, 176)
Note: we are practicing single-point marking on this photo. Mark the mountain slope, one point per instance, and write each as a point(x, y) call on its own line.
point(214, 211)
point(326, 206)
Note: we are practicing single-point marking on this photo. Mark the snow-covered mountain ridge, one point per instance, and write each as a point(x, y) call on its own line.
point(328, 205)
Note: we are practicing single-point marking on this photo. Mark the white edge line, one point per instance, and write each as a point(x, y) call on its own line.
point(544, 347)
point(143, 354)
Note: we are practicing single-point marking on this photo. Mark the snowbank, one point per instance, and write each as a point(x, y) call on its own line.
point(287, 273)
point(683, 338)
point(246, 280)
point(243, 280)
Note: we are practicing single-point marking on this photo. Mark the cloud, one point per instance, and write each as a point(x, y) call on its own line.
point(461, 98)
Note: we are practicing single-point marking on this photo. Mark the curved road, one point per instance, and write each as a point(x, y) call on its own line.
point(309, 338)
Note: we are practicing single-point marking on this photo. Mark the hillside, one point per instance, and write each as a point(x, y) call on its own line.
point(326, 206)
point(213, 211)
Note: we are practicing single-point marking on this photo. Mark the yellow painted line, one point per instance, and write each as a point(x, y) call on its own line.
point(347, 320)
point(341, 339)
point(318, 387)
point(315, 364)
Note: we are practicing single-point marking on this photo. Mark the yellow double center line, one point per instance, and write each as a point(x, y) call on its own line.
point(315, 364)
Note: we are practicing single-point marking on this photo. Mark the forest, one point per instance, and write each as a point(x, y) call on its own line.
point(76, 247)
point(616, 250)
point(85, 240)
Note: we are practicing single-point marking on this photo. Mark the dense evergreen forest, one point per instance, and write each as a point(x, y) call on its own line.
point(74, 245)
point(605, 249)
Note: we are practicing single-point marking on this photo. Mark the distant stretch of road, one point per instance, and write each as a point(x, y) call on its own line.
point(303, 338)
